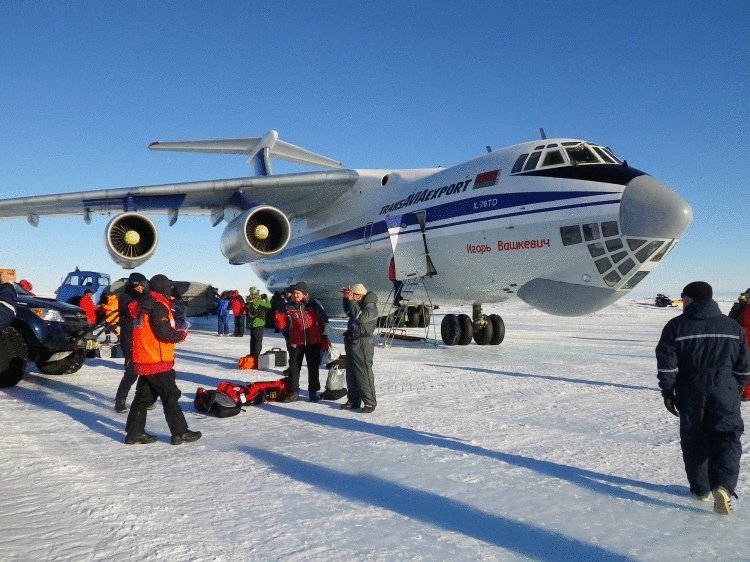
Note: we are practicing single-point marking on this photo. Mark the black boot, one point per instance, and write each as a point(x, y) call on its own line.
point(120, 407)
point(187, 437)
point(139, 439)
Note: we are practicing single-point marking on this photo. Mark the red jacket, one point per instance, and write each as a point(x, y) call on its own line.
point(89, 308)
point(303, 322)
point(238, 304)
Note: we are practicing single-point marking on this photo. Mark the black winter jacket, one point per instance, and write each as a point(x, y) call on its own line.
point(701, 350)
point(363, 317)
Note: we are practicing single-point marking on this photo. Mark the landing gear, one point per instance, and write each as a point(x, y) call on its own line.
point(460, 329)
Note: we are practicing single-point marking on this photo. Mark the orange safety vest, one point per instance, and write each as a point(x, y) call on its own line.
point(151, 355)
point(110, 309)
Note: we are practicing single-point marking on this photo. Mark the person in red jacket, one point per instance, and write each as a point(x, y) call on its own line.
point(154, 338)
point(237, 303)
point(744, 321)
point(88, 306)
point(304, 323)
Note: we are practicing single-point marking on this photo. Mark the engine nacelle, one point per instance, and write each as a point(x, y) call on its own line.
point(130, 239)
point(257, 233)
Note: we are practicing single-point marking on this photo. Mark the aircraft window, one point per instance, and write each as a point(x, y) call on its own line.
point(533, 159)
point(603, 264)
point(551, 145)
point(635, 243)
point(634, 280)
point(614, 244)
point(591, 231)
point(581, 154)
point(570, 235)
point(518, 166)
point(618, 257)
point(553, 158)
point(644, 253)
point(596, 249)
point(612, 278)
point(604, 156)
point(626, 266)
point(612, 154)
point(539, 147)
point(663, 252)
point(610, 229)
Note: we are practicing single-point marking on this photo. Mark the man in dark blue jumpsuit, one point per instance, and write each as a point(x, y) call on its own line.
point(703, 364)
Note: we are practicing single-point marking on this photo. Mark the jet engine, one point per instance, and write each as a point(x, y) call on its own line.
point(130, 239)
point(256, 233)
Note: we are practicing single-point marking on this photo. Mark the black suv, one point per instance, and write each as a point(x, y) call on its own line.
point(45, 331)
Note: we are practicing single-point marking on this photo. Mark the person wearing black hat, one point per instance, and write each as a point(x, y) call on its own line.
point(134, 290)
point(154, 339)
point(703, 364)
point(304, 324)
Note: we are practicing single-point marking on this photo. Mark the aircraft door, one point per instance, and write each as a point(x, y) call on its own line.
point(409, 245)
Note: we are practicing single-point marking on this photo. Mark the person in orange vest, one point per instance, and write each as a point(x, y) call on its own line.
point(154, 339)
point(88, 306)
point(110, 314)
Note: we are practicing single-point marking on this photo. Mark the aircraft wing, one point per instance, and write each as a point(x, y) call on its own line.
point(295, 194)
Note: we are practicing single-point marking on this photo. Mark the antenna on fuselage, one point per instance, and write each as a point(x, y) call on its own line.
point(489, 149)
point(541, 132)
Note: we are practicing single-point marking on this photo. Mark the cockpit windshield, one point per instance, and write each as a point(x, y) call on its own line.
point(575, 153)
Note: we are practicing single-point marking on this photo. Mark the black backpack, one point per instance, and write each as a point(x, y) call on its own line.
point(216, 403)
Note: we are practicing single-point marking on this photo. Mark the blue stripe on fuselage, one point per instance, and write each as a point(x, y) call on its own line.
point(456, 209)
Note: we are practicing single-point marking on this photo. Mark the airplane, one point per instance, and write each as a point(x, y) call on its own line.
point(563, 224)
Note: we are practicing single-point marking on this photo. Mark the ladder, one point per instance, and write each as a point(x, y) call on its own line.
point(393, 321)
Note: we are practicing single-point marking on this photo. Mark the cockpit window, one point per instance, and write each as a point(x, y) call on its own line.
point(604, 156)
point(553, 158)
point(533, 159)
point(581, 153)
point(518, 166)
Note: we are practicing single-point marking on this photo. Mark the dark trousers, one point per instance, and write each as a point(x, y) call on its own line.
point(148, 389)
point(360, 379)
point(256, 340)
point(311, 353)
point(129, 377)
point(239, 326)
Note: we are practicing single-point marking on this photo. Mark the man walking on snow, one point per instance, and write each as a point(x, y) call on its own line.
point(703, 365)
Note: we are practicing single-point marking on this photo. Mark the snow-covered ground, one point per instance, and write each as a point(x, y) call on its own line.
point(553, 446)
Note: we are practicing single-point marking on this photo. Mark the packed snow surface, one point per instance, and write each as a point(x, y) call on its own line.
point(554, 445)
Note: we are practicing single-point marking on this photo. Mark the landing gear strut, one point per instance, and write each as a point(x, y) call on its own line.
point(459, 329)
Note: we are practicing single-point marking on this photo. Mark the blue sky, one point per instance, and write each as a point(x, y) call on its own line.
point(86, 86)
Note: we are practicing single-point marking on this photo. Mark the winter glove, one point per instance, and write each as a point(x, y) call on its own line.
point(325, 343)
point(670, 403)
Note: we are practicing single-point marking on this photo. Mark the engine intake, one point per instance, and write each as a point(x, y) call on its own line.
point(130, 239)
point(257, 233)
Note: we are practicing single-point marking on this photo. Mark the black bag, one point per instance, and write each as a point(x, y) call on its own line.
point(280, 360)
point(738, 309)
point(216, 403)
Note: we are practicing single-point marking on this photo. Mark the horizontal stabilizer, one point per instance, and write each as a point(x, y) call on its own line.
point(250, 146)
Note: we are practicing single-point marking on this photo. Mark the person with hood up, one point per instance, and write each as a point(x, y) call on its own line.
point(361, 308)
point(237, 304)
point(703, 364)
point(154, 339)
point(134, 290)
point(222, 313)
point(304, 323)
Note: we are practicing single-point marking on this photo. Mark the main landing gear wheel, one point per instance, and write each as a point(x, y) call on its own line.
point(461, 329)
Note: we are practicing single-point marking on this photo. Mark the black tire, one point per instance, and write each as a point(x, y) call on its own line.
point(450, 330)
point(412, 317)
point(498, 329)
point(14, 355)
point(467, 329)
point(484, 336)
point(65, 366)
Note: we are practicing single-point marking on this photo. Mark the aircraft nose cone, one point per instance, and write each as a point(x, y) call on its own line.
point(650, 209)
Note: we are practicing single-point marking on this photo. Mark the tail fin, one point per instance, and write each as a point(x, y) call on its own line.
point(259, 151)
